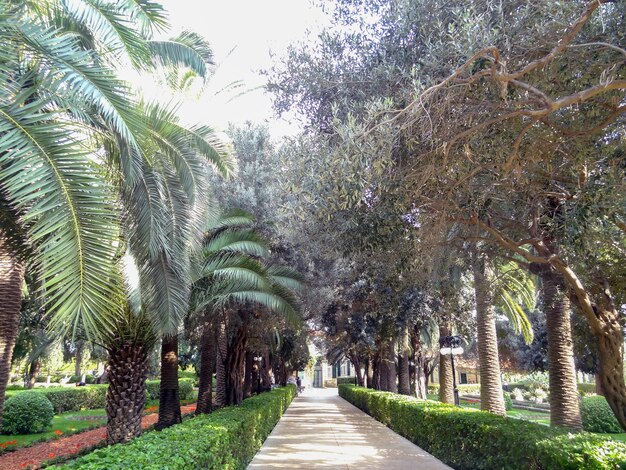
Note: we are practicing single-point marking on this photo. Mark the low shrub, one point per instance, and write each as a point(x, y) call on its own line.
point(76, 398)
point(586, 389)
point(597, 415)
point(27, 413)
point(471, 389)
point(185, 389)
point(508, 403)
point(225, 439)
point(469, 439)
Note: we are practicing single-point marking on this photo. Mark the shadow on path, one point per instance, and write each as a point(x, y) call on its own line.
point(321, 430)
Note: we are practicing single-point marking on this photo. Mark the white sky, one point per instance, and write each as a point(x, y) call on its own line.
point(242, 33)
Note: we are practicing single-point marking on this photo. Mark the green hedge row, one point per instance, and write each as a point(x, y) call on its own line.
point(472, 389)
point(225, 439)
point(346, 380)
point(91, 397)
point(469, 439)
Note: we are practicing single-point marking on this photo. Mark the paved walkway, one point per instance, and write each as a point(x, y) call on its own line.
point(322, 430)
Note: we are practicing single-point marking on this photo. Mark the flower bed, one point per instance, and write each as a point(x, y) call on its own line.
point(469, 439)
point(225, 439)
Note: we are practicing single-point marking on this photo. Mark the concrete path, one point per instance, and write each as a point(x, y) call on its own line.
point(322, 430)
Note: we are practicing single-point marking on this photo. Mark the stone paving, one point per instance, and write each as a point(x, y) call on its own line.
point(322, 430)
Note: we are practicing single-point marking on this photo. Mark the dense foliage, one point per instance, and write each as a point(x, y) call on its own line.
point(225, 439)
point(468, 439)
point(27, 413)
point(597, 415)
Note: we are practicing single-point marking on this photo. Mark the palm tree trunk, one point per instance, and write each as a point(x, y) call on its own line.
point(11, 278)
point(564, 404)
point(127, 370)
point(220, 369)
point(491, 397)
point(169, 398)
point(418, 360)
point(79, 359)
point(248, 377)
point(207, 366)
point(235, 367)
point(446, 385)
point(404, 378)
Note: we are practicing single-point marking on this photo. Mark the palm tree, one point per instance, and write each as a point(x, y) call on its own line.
point(65, 122)
point(232, 281)
point(507, 292)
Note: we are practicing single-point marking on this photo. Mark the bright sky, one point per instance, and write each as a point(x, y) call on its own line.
point(242, 33)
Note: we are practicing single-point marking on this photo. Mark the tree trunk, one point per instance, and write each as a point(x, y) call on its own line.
point(392, 374)
point(220, 369)
point(127, 370)
point(79, 359)
point(207, 366)
point(611, 349)
point(354, 359)
point(404, 379)
point(419, 367)
point(599, 389)
point(235, 367)
point(446, 385)
point(266, 371)
point(33, 372)
point(491, 397)
point(564, 400)
point(369, 372)
point(169, 398)
point(11, 278)
point(248, 377)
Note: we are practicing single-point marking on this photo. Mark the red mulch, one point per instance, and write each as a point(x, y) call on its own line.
point(67, 446)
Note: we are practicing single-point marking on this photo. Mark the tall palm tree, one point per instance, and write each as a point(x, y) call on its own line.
point(507, 291)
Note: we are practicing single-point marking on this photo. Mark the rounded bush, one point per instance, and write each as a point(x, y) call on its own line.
point(597, 415)
point(27, 413)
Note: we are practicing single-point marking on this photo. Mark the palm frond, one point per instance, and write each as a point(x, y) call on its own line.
point(188, 49)
point(70, 213)
point(150, 16)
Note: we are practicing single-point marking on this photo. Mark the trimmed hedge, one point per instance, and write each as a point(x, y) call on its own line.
point(91, 397)
point(346, 380)
point(597, 415)
point(226, 439)
point(470, 439)
point(472, 389)
point(185, 389)
point(586, 388)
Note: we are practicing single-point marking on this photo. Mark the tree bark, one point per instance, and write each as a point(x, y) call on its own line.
point(207, 366)
point(169, 398)
point(599, 389)
point(11, 278)
point(392, 374)
point(79, 359)
point(491, 397)
point(611, 349)
point(235, 367)
point(446, 385)
point(564, 401)
point(126, 395)
point(404, 379)
point(369, 373)
point(248, 377)
point(220, 368)
point(419, 367)
point(33, 372)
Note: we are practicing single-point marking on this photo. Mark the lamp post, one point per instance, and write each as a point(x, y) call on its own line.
point(258, 360)
point(452, 345)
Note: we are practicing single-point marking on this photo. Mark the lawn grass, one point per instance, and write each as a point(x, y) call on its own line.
point(66, 423)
